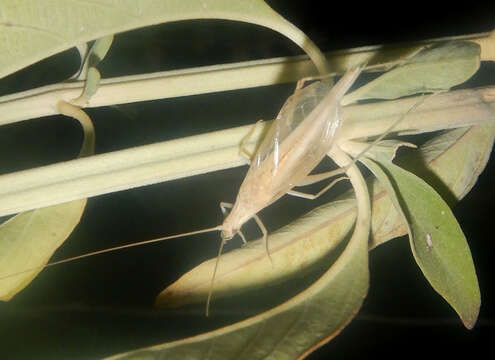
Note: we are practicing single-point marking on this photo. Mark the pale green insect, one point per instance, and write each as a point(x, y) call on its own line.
point(299, 138)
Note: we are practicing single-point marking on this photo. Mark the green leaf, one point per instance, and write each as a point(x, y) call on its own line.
point(450, 162)
point(306, 321)
point(455, 158)
point(82, 49)
point(89, 71)
point(331, 220)
point(437, 242)
point(27, 37)
point(94, 56)
point(90, 86)
point(29, 239)
point(294, 249)
point(434, 68)
point(290, 330)
point(99, 50)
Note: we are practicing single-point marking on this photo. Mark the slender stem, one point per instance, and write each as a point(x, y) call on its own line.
point(42, 101)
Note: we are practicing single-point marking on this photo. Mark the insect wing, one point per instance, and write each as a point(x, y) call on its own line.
point(297, 141)
point(306, 144)
point(293, 112)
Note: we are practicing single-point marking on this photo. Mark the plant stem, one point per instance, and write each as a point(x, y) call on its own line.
point(154, 163)
point(42, 101)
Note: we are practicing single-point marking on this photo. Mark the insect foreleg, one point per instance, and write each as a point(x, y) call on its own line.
point(243, 151)
point(301, 82)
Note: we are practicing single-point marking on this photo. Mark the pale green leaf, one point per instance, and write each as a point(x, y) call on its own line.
point(91, 58)
point(455, 158)
point(437, 241)
point(332, 217)
point(89, 71)
point(29, 239)
point(450, 162)
point(291, 329)
point(243, 335)
point(302, 323)
point(384, 181)
point(82, 49)
point(93, 78)
point(27, 37)
point(99, 50)
point(294, 249)
point(434, 68)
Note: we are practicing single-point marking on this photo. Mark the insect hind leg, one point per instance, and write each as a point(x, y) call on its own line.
point(317, 195)
point(311, 179)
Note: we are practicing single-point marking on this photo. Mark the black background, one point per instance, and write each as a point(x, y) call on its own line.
point(103, 305)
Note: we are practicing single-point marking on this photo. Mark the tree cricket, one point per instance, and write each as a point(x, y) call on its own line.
point(299, 138)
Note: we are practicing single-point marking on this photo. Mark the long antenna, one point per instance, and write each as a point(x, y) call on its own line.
point(390, 128)
point(212, 281)
point(93, 253)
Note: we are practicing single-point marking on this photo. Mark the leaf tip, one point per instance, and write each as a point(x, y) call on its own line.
point(470, 318)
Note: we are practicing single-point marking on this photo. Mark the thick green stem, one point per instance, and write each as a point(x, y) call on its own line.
point(149, 164)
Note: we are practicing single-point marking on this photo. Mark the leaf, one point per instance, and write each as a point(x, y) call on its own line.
point(90, 72)
point(98, 51)
point(27, 37)
point(82, 49)
point(450, 162)
point(293, 248)
point(304, 322)
point(90, 86)
point(322, 311)
point(455, 158)
point(242, 337)
point(29, 239)
point(437, 241)
point(434, 68)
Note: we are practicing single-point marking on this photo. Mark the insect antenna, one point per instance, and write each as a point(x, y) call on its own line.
point(212, 281)
point(389, 130)
point(115, 248)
